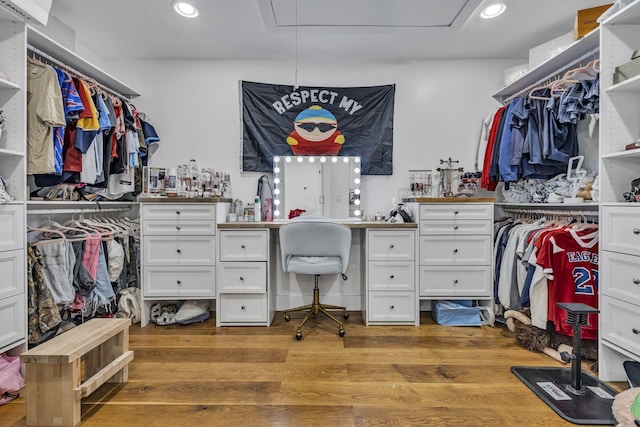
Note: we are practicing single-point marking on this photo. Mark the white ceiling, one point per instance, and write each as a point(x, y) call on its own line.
point(327, 30)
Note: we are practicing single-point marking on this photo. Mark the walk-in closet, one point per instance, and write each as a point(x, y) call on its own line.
point(462, 177)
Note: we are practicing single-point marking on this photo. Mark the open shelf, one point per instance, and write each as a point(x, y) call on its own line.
point(6, 84)
point(629, 85)
point(580, 50)
point(5, 152)
point(50, 47)
point(630, 15)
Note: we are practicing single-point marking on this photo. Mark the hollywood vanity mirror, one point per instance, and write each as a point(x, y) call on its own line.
point(321, 185)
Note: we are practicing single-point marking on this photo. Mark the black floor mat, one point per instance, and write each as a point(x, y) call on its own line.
point(554, 387)
point(633, 372)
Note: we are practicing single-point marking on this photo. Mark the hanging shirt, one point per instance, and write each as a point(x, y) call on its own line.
point(44, 112)
point(570, 263)
point(72, 105)
point(87, 125)
point(486, 181)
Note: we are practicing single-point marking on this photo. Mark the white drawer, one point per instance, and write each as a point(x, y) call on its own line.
point(12, 273)
point(12, 320)
point(391, 276)
point(620, 276)
point(242, 277)
point(455, 250)
point(454, 211)
point(392, 307)
point(191, 250)
point(454, 228)
point(391, 245)
point(171, 281)
point(179, 228)
point(12, 228)
point(446, 281)
point(179, 212)
point(620, 227)
point(620, 323)
point(243, 308)
point(243, 245)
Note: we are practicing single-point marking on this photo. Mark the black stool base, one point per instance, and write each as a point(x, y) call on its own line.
point(553, 385)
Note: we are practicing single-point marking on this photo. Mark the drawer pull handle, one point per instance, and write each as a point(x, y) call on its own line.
point(455, 251)
point(392, 307)
point(177, 212)
point(455, 227)
point(636, 281)
point(636, 231)
point(179, 251)
point(241, 278)
point(178, 227)
point(392, 276)
point(391, 246)
point(455, 281)
point(243, 246)
point(456, 212)
point(636, 331)
point(179, 282)
point(243, 308)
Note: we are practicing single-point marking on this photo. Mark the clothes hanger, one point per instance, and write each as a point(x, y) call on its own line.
point(46, 230)
point(543, 86)
point(33, 61)
point(104, 233)
point(57, 226)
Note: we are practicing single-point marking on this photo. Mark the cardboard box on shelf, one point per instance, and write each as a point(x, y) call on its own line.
point(586, 20)
point(548, 50)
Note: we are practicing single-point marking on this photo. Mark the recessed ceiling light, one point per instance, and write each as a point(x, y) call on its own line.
point(493, 10)
point(185, 9)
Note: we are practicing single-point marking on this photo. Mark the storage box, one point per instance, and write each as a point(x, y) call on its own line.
point(548, 50)
point(586, 20)
point(456, 313)
point(627, 70)
point(514, 73)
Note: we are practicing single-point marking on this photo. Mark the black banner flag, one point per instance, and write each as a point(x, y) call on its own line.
point(334, 121)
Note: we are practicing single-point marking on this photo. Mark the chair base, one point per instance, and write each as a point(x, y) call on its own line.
point(315, 308)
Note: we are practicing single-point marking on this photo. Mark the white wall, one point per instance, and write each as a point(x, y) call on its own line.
point(194, 106)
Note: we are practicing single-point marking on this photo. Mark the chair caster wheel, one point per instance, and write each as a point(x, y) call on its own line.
point(287, 317)
point(299, 335)
point(341, 332)
point(345, 315)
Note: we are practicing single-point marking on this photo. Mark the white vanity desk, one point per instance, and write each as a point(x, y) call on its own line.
point(444, 255)
point(382, 277)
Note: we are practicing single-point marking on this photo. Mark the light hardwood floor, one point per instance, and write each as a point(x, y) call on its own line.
point(200, 375)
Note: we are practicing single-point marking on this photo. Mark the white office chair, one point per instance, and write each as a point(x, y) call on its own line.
point(315, 245)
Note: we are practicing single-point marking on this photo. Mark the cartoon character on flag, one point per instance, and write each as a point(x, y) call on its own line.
point(315, 132)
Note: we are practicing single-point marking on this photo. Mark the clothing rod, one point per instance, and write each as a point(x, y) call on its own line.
point(75, 211)
point(50, 58)
point(551, 212)
point(560, 70)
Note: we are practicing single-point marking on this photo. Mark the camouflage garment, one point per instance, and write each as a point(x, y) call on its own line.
point(43, 312)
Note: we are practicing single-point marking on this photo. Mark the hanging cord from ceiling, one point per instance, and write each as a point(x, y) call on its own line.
point(295, 77)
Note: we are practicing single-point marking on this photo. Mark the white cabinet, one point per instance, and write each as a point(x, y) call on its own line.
point(619, 277)
point(12, 271)
point(619, 282)
point(244, 297)
point(178, 246)
point(13, 101)
point(390, 281)
point(455, 250)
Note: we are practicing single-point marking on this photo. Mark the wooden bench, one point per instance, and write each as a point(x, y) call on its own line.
point(70, 366)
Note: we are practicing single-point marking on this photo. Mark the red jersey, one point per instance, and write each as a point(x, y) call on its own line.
point(570, 263)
